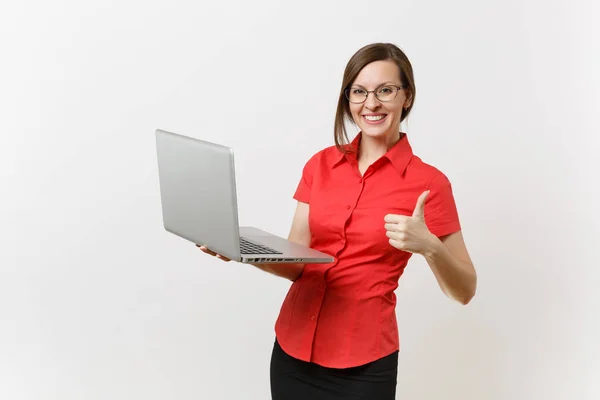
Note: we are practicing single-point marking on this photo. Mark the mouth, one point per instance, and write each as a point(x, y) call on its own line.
point(374, 119)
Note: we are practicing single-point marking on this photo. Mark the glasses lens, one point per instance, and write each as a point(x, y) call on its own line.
point(387, 93)
point(356, 95)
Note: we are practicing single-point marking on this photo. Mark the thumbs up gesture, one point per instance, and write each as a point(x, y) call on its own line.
point(409, 233)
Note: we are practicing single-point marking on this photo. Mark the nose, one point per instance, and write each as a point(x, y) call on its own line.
point(371, 101)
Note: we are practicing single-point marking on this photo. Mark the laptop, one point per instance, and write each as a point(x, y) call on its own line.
point(199, 203)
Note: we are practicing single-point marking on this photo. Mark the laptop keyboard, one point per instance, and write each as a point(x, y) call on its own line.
point(247, 247)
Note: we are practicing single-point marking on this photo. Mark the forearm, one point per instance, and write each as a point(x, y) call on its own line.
point(457, 278)
point(291, 271)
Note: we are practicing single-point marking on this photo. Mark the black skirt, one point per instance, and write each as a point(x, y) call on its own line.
point(293, 379)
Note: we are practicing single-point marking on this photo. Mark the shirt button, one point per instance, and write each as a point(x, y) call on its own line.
point(360, 181)
point(348, 207)
point(312, 317)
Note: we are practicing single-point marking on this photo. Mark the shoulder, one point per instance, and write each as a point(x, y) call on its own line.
point(430, 175)
point(324, 157)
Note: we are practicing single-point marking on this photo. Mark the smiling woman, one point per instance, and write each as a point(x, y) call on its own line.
point(371, 204)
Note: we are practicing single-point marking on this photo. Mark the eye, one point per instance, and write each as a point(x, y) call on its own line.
point(357, 91)
point(386, 90)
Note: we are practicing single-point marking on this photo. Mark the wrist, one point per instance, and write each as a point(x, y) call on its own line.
point(432, 247)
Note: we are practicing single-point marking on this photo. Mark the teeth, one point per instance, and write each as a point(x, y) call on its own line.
point(374, 117)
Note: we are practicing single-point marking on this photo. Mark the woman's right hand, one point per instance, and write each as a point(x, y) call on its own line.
point(212, 253)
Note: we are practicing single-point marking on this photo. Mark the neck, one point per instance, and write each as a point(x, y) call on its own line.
point(371, 149)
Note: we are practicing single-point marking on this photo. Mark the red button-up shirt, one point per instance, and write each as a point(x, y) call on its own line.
point(342, 314)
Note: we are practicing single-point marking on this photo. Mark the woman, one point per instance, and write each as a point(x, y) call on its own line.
point(372, 205)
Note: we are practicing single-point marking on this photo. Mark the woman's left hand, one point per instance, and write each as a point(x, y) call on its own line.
point(409, 233)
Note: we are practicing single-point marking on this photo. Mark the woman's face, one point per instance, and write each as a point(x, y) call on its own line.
point(377, 118)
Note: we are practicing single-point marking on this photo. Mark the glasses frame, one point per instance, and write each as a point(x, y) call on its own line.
point(347, 93)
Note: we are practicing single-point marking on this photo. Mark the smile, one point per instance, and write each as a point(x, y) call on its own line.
point(374, 118)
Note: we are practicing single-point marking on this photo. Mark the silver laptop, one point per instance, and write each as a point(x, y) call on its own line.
point(199, 203)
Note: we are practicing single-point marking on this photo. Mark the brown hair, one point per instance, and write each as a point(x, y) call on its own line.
point(366, 55)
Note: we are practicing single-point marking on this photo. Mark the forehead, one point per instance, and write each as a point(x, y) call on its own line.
point(378, 72)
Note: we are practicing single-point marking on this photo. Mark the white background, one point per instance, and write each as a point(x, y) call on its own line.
point(97, 301)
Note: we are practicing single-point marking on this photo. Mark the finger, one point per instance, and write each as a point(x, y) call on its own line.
point(399, 227)
point(395, 218)
point(398, 236)
point(396, 243)
point(223, 258)
point(420, 207)
point(206, 250)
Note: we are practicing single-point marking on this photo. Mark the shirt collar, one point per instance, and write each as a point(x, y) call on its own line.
point(399, 155)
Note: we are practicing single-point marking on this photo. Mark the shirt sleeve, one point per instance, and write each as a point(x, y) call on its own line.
point(305, 185)
point(441, 215)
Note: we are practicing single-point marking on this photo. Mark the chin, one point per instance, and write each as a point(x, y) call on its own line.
point(374, 131)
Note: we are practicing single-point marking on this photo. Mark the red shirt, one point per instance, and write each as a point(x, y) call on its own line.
point(342, 314)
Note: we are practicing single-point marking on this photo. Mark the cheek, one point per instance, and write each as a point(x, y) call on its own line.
point(396, 107)
point(396, 110)
point(355, 111)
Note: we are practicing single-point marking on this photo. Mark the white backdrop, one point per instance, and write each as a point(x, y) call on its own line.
point(97, 301)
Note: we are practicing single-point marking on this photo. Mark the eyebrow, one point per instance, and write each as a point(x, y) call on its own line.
point(381, 84)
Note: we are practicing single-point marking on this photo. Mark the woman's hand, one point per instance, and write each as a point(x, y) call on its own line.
point(212, 253)
point(290, 271)
point(409, 233)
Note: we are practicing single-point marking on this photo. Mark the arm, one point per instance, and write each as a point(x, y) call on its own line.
point(299, 233)
point(447, 256)
point(451, 264)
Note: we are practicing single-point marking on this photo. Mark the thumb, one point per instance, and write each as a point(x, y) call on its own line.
point(420, 207)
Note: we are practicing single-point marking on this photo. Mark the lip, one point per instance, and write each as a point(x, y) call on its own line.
point(374, 122)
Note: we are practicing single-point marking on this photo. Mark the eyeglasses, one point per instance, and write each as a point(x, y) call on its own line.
point(383, 93)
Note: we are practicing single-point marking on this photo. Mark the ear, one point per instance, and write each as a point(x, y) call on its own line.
point(408, 101)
